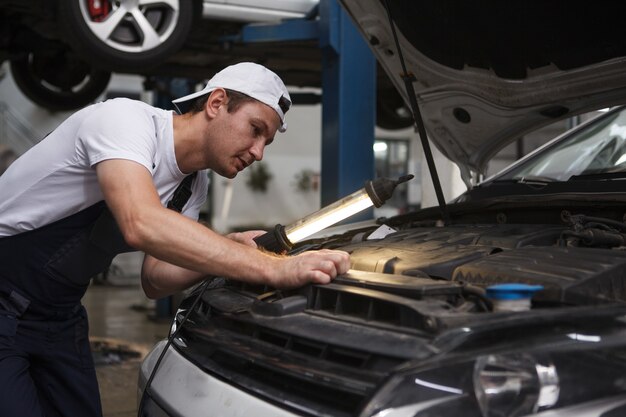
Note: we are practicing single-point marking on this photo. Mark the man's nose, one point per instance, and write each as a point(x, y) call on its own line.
point(257, 151)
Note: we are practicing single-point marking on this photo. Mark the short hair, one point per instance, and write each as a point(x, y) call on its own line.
point(235, 101)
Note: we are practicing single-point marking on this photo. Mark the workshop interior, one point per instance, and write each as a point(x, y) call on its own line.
point(469, 156)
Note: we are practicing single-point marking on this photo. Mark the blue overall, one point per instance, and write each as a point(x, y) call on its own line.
point(46, 367)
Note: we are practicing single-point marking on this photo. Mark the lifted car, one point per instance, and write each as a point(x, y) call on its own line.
point(62, 52)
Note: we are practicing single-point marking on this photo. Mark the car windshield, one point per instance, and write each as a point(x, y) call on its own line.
point(598, 148)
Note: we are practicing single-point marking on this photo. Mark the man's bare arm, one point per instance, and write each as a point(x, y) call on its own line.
point(196, 250)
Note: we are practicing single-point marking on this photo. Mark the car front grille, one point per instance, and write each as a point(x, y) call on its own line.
point(312, 360)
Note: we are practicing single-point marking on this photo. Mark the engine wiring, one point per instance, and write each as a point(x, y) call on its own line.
point(593, 232)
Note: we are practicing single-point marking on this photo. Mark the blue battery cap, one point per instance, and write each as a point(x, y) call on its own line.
point(512, 291)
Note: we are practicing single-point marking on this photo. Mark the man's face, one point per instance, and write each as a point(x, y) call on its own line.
point(240, 137)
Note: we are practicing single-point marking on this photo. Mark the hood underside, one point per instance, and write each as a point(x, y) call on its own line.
point(486, 73)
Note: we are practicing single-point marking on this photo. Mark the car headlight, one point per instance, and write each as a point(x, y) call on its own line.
point(506, 385)
point(517, 384)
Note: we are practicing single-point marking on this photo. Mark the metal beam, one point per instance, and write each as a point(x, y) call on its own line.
point(290, 30)
point(348, 105)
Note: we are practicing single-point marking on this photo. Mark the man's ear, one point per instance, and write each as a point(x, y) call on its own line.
point(217, 98)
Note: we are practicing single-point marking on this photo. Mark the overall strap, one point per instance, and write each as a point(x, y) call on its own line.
point(182, 193)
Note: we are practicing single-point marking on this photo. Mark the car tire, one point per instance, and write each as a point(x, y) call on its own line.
point(58, 80)
point(140, 37)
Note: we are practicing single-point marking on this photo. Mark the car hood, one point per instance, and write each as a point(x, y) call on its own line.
point(486, 73)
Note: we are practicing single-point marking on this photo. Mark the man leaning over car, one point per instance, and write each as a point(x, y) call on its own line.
point(101, 184)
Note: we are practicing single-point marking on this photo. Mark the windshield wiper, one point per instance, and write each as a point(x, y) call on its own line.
point(536, 179)
point(616, 175)
point(530, 180)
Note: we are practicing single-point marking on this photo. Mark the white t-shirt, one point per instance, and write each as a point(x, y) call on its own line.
point(56, 178)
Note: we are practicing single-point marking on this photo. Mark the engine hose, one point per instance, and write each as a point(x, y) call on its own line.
point(582, 218)
point(597, 237)
point(480, 293)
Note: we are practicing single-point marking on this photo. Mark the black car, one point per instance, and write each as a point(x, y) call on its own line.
point(509, 300)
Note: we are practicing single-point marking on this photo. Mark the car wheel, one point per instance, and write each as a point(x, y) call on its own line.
point(127, 35)
point(57, 80)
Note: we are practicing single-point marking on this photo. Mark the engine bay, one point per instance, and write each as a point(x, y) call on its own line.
point(416, 295)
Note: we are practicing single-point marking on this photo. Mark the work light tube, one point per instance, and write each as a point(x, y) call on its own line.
point(375, 193)
point(329, 215)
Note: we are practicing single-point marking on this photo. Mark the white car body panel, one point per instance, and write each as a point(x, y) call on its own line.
point(195, 392)
point(256, 11)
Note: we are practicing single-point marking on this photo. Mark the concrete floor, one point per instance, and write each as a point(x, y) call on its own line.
point(119, 318)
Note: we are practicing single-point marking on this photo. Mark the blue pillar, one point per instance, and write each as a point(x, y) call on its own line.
point(348, 105)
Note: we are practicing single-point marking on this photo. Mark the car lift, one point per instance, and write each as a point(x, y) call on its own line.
point(348, 100)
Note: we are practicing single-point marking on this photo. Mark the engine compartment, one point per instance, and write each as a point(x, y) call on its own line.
point(411, 298)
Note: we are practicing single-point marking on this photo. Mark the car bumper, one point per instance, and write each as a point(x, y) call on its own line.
point(180, 388)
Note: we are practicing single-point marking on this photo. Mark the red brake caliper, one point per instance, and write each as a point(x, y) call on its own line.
point(98, 9)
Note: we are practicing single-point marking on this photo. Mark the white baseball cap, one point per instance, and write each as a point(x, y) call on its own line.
point(251, 79)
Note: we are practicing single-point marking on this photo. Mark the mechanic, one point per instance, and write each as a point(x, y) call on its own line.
point(118, 176)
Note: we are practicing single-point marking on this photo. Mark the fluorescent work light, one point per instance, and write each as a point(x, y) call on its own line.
point(375, 193)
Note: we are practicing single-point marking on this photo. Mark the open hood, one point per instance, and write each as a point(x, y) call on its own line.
point(488, 72)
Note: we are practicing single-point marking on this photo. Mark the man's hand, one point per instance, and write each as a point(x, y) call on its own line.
point(317, 267)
